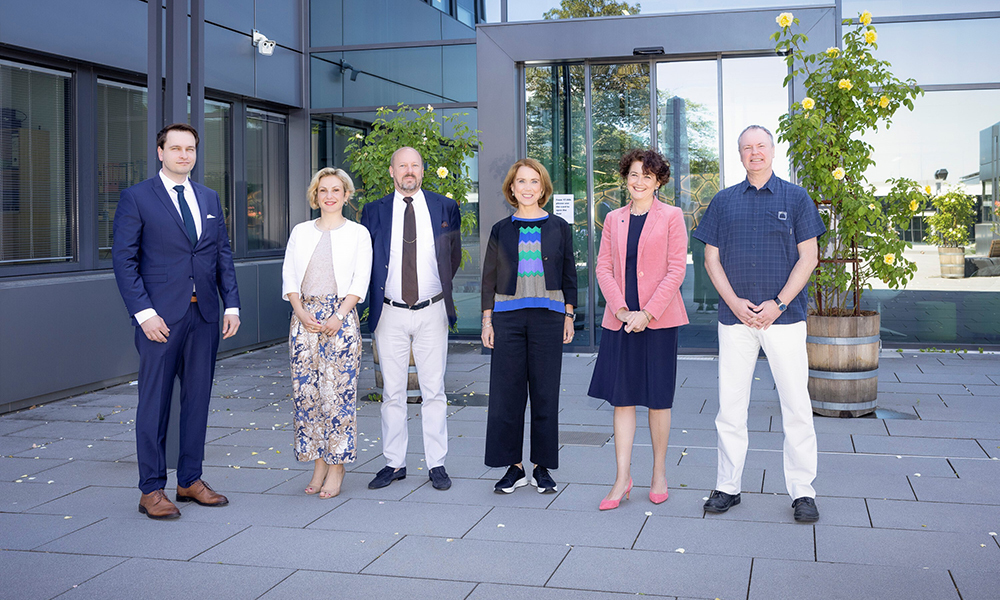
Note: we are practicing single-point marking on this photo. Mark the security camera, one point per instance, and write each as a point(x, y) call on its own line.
point(264, 45)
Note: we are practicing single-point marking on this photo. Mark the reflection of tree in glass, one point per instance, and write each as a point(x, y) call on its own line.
point(576, 9)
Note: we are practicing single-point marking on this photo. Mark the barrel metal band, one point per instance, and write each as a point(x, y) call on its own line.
point(839, 375)
point(840, 341)
point(844, 405)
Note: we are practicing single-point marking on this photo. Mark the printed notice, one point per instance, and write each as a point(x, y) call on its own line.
point(562, 205)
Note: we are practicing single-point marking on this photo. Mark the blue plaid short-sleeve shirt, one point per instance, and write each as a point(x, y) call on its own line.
point(757, 233)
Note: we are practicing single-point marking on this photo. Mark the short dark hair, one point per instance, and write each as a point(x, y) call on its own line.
point(652, 162)
point(535, 166)
point(161, 138)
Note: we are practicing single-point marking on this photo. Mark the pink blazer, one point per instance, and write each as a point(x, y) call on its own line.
point(660, 267)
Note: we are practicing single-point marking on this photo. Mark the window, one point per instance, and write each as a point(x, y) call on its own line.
point(214, 156)
point(121, 152)
point(36, 216)
point(267, 180)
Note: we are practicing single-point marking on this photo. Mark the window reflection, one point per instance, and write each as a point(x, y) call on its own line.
point(752, 94)
point(942, 52)
point(267, 180)
point(887, 8)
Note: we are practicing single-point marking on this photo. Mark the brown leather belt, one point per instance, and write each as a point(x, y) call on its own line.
point(194, 297)
point(418, 305)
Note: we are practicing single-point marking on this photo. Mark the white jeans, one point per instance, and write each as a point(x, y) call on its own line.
point(785, 347)
point(427, 331)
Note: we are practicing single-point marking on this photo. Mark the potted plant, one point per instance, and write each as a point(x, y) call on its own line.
point(446, 161)
point(956, 212)
point(848, 93)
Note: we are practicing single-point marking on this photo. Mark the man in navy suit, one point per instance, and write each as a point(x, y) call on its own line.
point(417, 249)
point(172, 261)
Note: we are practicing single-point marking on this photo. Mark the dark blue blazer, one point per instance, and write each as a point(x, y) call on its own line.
point(446, 221)
point(155, 265)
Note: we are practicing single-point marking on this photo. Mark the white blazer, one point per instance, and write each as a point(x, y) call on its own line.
point(352, 258)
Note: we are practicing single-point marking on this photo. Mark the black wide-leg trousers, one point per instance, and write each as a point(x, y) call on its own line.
point(527, 361)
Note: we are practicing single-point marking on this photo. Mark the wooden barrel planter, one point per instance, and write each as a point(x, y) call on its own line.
point(952, 262)
point(843, 364)
point(412, 382)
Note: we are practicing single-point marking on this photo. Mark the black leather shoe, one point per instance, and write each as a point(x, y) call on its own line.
point(805, 510)
point(720, 502)
point(440, 479)
point(386, 476)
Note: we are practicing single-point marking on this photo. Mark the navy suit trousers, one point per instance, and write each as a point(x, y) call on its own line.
point(189, 353)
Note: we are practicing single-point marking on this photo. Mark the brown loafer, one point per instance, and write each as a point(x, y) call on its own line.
point(202, 494)
point(156, 505)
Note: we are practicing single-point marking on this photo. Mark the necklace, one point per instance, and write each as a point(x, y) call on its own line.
point(633, 212)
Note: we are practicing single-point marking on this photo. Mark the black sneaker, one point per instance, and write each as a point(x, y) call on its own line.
point(805, 510)
point(541, 479)
point(439, 478)
point(512, 479)
point(720, 502)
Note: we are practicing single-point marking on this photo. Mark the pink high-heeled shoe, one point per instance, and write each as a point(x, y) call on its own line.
point(658, 498)
point(612, 504)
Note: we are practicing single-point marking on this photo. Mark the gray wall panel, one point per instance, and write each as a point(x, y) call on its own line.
point(52, 344)
point(234, 14)
point(452, 29)
point(82, 31)
point(390, 21)
point(326, 22)
point(280, 20)
point(274, 312)
point(41, 358)
point(279, 77)
point(229, 60)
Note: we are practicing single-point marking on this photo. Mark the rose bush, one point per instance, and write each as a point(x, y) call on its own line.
point(848, 93)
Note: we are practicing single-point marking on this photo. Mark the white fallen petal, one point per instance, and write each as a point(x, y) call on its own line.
point(649, 513)
point(916, 474)
point(679, 550)
point(500, 525)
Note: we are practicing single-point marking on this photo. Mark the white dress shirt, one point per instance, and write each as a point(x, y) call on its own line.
point(428, 279)
point(192, 202)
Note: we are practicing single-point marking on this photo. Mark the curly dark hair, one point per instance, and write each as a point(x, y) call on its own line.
point(652, 162)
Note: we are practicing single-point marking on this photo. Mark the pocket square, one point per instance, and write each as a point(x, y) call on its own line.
point(210, 217)
point(444, 224)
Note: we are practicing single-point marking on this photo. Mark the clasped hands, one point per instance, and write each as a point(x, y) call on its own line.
point(635, 320)
point(756, 316)
point(310, 324)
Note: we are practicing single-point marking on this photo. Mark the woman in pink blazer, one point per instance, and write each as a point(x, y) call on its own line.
point(640, 269)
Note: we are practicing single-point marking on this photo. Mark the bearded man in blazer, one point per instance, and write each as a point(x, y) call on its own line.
point(172, 261)
point(417, 249)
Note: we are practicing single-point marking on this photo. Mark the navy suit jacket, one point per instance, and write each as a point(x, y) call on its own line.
point(446, 221)
point(155, 265)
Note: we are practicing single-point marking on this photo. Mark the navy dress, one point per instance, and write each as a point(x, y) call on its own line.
point(636, 369)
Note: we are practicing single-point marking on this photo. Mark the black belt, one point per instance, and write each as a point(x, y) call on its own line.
point(416, 306)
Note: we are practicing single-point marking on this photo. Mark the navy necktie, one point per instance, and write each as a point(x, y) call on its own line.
point(186, 215)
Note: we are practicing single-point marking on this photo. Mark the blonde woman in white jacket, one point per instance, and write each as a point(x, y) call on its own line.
point(327, 265)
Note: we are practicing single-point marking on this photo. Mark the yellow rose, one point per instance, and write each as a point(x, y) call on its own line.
point(442, 172)
point(927, 190)
point(883, 101)
point(430, 108)
point(839, 173)
point(914, 205)
point(889, 258)
point(866, 18)
point(784, 19)
point(808, 103)
point(869, 102)
point(870, 36)
point(832, 51)
point(845, 84)
point(871, 207)
point(448, 195)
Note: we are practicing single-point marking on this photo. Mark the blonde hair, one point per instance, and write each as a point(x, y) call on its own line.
point(535, 166)
point(328, 172)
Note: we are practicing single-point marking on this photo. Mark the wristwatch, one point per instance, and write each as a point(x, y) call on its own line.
point(341, 317)
point(781, 305)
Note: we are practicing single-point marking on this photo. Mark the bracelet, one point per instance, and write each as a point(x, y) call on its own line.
point(487, 325)
point(570, 315)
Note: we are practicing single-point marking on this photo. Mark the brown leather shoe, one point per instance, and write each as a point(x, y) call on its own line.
point(156, 505)
point(202, 494)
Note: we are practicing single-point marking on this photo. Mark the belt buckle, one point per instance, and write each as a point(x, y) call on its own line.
point(420, 305)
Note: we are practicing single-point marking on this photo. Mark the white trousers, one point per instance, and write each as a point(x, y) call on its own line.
point(426, 330)
point(785, 347)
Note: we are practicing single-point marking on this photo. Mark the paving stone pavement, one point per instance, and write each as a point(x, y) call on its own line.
point(909, 499)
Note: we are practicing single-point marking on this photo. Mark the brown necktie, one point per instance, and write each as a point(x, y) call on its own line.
point(410, 290)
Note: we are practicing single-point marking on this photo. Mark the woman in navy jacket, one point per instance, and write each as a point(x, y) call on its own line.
point(528, 298)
